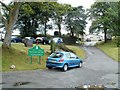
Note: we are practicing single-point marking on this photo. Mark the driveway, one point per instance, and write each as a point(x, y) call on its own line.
point(98, 69)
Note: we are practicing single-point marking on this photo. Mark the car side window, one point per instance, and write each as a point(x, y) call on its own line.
point(72, 56)
point(68, 55)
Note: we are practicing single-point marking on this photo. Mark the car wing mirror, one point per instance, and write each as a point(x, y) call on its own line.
point(77, 57)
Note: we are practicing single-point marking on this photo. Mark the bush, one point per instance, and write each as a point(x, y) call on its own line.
point(52, 46)
point(61, 46)
point(64, 48)
point(117, 41)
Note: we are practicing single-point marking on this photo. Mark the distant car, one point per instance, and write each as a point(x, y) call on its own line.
point(63, 60)
point(57, 40)
point(88, 40)
point(28, 38)
point(43, 40)
point(16, 39)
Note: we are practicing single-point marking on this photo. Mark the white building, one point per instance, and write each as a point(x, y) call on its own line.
point(2, 35)
point(93, 37)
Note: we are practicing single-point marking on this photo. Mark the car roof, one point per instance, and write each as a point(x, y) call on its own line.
point(39, 37)
point(64, 52)
point(28, 37)
point(57, 38)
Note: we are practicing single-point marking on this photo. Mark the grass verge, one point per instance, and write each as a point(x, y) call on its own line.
point(17, 55)
point(110, 49)
point(80, 52)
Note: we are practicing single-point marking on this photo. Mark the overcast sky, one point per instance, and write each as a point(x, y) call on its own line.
point(75, 3)
point(85, 3)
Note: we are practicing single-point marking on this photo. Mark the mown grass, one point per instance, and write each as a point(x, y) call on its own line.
point(17, 55)
point(80, 52)
point(111, 49)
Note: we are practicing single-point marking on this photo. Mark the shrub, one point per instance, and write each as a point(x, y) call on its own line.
point(52, 46)
point(64, 48)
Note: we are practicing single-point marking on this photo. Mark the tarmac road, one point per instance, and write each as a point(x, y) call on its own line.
point(98, 69)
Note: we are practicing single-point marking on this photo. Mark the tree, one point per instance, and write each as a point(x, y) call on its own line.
point(75, 21)
point(103, 16)
point(32, 15)
point(59, 11)
point(28, 21)
point(47, 11)
point(9, 21)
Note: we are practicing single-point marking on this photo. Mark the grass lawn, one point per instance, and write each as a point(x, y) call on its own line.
point(17, 55)
point(110, 49)
point(80, 52)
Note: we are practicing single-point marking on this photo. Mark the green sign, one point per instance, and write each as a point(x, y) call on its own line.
point(35, 51)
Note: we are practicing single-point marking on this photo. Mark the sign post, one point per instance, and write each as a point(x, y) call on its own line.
point(35, 51)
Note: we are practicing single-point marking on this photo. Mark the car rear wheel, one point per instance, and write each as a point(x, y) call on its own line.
point(80, 64)
point(14, 41)
point(49, 67)
point(65, 67)
point(44, 43)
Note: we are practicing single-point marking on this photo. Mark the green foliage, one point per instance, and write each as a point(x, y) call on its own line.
point(117, 41)
point(61, 46)
point(104, 16)
point(60, 11)
point(33, 14)
point(52, 46)
point(64, 48)
point(75, 20)
point(27, 23)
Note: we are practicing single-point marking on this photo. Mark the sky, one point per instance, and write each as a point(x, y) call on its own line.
point(85, 3)
point(75, 3)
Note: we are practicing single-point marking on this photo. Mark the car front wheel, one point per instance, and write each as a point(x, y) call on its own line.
point(65, 67)
point(80, 64)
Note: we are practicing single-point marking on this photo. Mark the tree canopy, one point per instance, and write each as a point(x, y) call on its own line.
point(75, 21)
point(104, 16)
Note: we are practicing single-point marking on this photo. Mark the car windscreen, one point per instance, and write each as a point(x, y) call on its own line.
point(56, 55)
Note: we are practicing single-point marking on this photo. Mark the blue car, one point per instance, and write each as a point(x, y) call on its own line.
point(16, 39)
point(63, 60)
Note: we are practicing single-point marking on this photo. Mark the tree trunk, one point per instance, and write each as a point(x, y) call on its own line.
point(7, 38)
point(105, 35)
point(45, 29)
point(59, 27)
point(71, 31)
point(10, 24)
